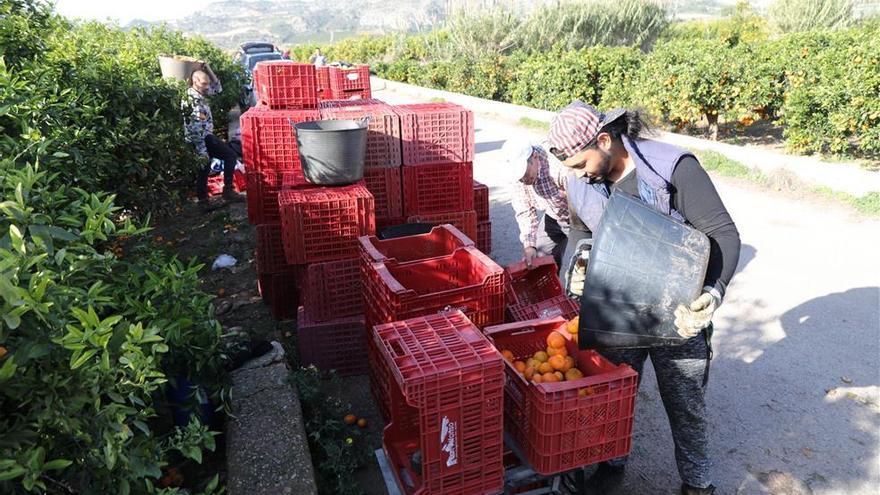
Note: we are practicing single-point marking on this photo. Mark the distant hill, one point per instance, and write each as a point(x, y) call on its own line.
point(286, 22)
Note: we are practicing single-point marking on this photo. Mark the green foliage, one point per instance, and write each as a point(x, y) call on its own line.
point(806, 15)
point(577, 24)
point(598, 75)
point(96, 93)
point(93, 318)
point(832, 86)
point(492, 33)
point(338, 450)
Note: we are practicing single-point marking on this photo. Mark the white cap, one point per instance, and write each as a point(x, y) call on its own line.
point(516, 154)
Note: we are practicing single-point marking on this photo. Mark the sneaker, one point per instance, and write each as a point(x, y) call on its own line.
point(606, 477)
point(690, 490)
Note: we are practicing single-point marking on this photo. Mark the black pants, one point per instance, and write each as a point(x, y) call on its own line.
point(220, 150)
point(552, 241)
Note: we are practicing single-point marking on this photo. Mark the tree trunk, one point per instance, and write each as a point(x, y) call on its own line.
point(712, 118)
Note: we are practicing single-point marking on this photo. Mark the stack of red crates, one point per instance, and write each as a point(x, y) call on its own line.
point(484, 226)
point(348, 83)
point(423, 274)
point(438, 153)
point(446, 382)
point(286, 93)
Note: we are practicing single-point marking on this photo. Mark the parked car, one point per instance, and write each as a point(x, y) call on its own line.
point(249, 55)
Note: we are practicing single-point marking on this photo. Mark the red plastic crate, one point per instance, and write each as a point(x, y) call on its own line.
point(565, 425)
point(281, 292)
point(436, 133)
point(381, 223)
point(442, 240)
point(447, 396)
point(286, 85)
point(438, 188)
point(217, 182)
point(467, 280)
point(384, 185)
point(354, 94)
point(263, 188)
point(465, 221)
point(333, 290)
point(349, 79)
point(269, 140)
point(383, 130)
point(323, 223)
point(322, 77)
point(550, 308)
point(532, 285)
point(481, 201)
point(339, 344)
point(484, 237)
point(270, 249)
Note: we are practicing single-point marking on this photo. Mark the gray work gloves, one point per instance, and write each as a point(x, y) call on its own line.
point(577, 271)
point(691, 320)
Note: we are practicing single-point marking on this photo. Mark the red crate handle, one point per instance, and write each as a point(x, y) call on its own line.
point(515, 269)
point(511, 328)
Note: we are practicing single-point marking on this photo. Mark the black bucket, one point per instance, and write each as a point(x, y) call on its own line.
point(332, 151)
point(642, 266)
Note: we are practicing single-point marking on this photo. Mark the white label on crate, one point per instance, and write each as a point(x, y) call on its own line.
point(550, 312)
point(448, 441)
point(354, 76)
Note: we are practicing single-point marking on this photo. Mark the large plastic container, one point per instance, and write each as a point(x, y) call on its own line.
point(333, 289)
point(384, 184)
point(179, 67)
point(536, 292)
point(465, 221)
point(442, 240)
point(280, 291)
point(284, 84)
point(267, 140)
point(445, 434)
point(484, 236)
point(332, 151)
point(263, 187)
point(481, 201)
point(436, 133)
point(338, 344)
point(438, 188)
point(467, 280)
point(323, 223)
point(349, 79)
point(383, 129)
point(270, 249)
point(642, 266)
point(570, 424)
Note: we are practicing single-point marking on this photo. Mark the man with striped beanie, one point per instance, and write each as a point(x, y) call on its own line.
point(607, 152)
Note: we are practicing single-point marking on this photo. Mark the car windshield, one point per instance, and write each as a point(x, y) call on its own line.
point(260, 57)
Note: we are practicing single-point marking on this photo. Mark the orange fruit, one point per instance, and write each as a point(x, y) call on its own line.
point(550, 378)
point(559, 375)
point(557, 362)
point(520, 366)
point(221, 292)
point(542, 356)
point(557, 351)
point(529, 372)
point(349, 419)
point(507, 355)
point(3, 352)
point(584, 392)
point(545, 368)
point(573, 374)
point(569, 364)
point(362, 423)
point(537, 378)
point(555, 339)
point(532, 363)
point(572, 325)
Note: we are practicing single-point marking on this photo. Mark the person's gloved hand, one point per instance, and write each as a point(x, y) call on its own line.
point(691, 320)
point(578, 276)
point(529, 254)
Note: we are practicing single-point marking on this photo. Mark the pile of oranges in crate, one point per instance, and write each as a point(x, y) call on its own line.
point(550, 365)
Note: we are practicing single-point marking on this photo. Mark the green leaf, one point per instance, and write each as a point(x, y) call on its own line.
point(12, 473)
point(12, 320)
point(17, 239)
point(56, 464)
point(8, 369)
point(76, 362)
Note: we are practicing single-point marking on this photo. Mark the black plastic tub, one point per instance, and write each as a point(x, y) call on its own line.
point(332, 151)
